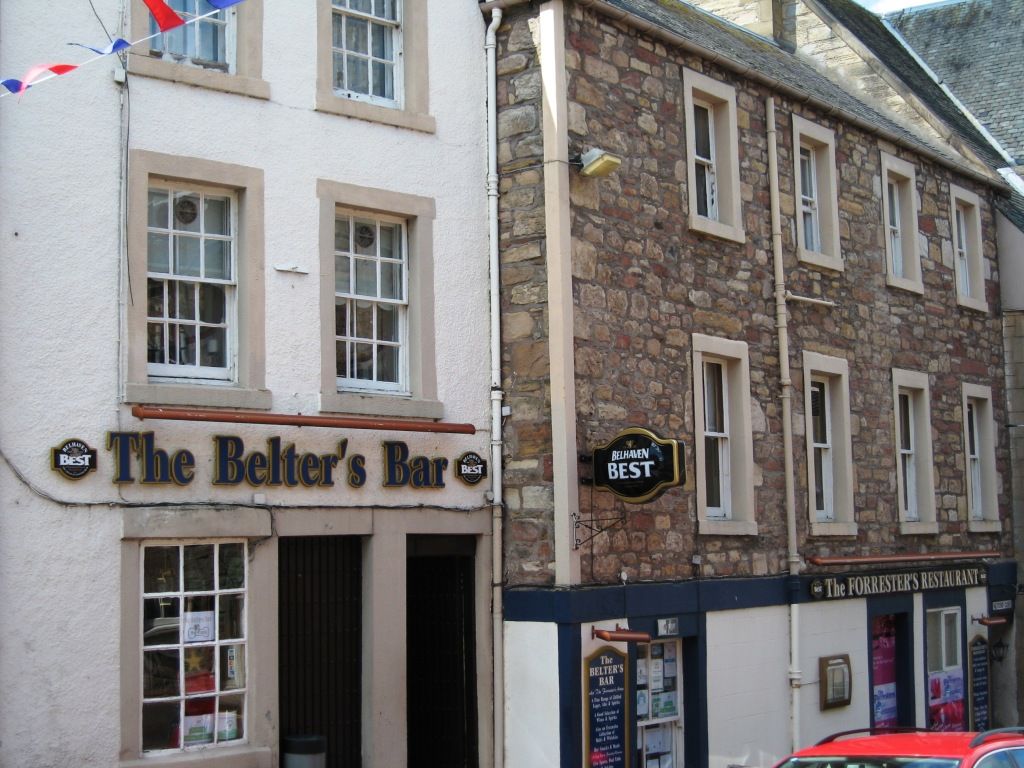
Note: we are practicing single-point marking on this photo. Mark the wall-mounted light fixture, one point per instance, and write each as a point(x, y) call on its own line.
point(998, 650)
point(596, 162)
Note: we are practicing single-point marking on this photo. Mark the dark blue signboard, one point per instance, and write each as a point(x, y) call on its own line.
point(607, 715)
point(979, 684)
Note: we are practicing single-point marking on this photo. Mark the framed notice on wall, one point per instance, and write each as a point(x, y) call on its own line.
point(834, 681)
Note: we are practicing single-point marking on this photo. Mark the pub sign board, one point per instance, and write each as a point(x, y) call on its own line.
point(637, 465)
point(606, 673)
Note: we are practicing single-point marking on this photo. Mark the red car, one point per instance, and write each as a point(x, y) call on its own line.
point(909, 748)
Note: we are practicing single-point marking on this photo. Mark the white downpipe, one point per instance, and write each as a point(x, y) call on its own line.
point(787, 426)
point(497, 502)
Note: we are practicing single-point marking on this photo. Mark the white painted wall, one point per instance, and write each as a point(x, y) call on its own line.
point(828, 629)
point(531, 695)
point(748, 687)
point(1011, 264)
point(60, 313)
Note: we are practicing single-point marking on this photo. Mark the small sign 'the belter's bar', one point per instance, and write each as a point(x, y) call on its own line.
point(637, 465)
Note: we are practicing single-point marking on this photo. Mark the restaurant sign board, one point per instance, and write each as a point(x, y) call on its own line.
point(637, 465)
point(853, 585)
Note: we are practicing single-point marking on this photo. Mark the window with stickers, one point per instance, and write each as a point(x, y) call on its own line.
point(193, 638)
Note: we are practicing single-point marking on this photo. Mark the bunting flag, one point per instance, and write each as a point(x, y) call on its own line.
point(16, 86)
point(119, 44)
point(166, 19)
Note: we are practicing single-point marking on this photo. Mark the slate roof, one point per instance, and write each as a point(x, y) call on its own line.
point(977, 48)
point(874, 34)
point(768, 62)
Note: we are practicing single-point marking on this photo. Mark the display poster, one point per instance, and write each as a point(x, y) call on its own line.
point(198, 626)
point(883, 671)
point(946, 700)
point(979, 684)
point(607, 716)
point(657, 671)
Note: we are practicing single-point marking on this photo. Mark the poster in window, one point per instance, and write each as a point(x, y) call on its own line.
point(883, 672)
point(198, 626)
point(641, 703)
point(657, 673)
point(946, 700)
point(664, 705)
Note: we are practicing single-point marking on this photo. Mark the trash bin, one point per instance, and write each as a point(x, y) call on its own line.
point(303, 752)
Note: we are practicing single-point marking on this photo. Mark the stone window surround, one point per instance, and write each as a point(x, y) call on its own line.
point(414, 100)
point(734, 357)
point(903, 176)
point(916, 384)
point(974, 244)
point(722, 98)
point(984, 422)
point(246, 77)
point(247, 391)
point(836, 371)
point(418, 213)
point(822, 142)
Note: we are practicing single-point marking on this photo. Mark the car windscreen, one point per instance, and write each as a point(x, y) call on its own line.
point(870, 762)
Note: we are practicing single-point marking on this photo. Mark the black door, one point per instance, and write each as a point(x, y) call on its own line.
point(441, 653)
point(320, 636)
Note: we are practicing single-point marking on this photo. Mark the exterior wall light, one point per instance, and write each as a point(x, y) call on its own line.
point(596, 162)
point(998, 650)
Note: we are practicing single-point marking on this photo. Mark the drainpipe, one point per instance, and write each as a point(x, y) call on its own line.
point(787, 431)
point(497, 504)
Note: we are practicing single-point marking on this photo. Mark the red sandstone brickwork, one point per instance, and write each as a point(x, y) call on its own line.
point(644, 283)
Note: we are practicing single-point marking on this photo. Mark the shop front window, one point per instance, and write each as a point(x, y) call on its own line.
point(193, 645)
point(659, 710)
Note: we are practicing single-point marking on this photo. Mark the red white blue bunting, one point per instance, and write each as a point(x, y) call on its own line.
point(166, 19)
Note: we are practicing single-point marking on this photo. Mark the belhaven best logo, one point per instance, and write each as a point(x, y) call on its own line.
point(73, 459)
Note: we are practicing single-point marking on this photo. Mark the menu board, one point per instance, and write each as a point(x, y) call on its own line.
point(979, 684)
point(607, 726)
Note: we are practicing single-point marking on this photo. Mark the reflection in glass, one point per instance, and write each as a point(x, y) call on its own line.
point(160, 725)
point(230, 617)
point(160, 673)
point(160, 566)
point(198, 567)
point(232, 566)
point(161, 620)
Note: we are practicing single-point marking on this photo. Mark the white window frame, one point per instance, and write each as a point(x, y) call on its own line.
point(244, 388)
point(944, 617)
point(717, 369)
point(417, 395)
point(241, 72)
point(968, 255)
point(168, 44)
point(981, 481)
point(177, 372)
point(821, 202)
point(724, 218)
point(410, 107)
point(915, 483)
point(739, 517)
point(350, 297)
point(900, 207)
point(183, 645)
point(342, 11)
point(833, 372)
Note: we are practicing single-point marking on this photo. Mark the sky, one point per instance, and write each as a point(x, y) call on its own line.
point(886, 6)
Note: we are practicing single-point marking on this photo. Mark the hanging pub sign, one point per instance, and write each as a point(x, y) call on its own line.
point(470, 468)
point(637, 465)
point(607, 720)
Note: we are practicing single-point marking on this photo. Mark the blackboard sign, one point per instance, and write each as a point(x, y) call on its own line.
point(637, 465)
point(979, 684)
point(607, 712)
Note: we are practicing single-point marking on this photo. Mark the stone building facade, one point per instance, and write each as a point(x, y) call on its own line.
point(653, 293)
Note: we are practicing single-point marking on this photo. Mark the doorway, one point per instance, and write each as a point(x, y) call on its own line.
point(892, 684)
point(441, 650)
point(320, 642)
